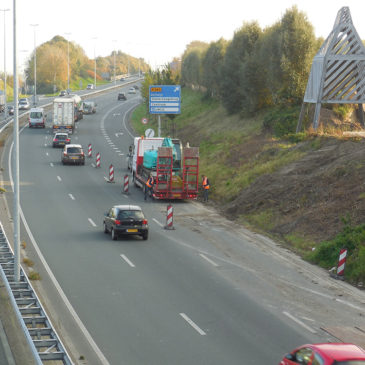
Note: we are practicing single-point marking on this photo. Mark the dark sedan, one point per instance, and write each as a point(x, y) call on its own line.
point(121, 96)
point(125, 220)
point(61, 139)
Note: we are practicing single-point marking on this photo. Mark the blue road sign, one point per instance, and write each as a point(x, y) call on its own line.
point(165, 99)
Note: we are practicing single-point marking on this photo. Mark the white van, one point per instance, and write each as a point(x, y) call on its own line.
point(37, 118)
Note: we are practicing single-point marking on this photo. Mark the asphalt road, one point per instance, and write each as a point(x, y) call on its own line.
point(207, 292)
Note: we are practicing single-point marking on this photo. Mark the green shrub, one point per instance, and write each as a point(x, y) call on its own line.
point(281, 122)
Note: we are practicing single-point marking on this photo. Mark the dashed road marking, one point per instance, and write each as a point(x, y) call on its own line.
point(71, 196)
point(59, 178)
point(51, 164)
point(92, 222)
point(156, 221)
point(192, 324)
point(126, 259)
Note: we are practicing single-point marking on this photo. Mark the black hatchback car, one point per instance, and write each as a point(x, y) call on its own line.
point(121, 96)
point(126, 220)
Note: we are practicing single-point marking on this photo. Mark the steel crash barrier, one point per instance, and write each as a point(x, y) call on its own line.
point(39, 332)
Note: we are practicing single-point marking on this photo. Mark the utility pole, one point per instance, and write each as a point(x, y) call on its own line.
point(35, 66)
point(5, 96)
point(115, 80)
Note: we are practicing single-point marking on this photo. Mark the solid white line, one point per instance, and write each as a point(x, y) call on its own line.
point(126, 259)
point(300, 322)
point(51, 164)
point(71, 196)
point(92, 222)
point(59, 178)
point(192, 324)
point(209, 260)
point(156, 221)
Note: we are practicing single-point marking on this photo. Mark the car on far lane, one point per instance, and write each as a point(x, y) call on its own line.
point(24, 104)
point(131, 90)
point(61, 139)
point(89, 107)
point(73, 154)
point(121, 96)
point(326, 354)
point(10, 110)
point(63, 93)
point(90, 87)
point(126, 220)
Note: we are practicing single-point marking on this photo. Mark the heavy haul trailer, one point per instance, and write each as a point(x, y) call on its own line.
point(176, 172)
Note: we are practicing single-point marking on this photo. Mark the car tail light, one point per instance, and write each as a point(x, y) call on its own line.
point(145, 222)
point(68, 140)
point(82, 154)
point(55, 140)
point(65, 154)
point(117, 222)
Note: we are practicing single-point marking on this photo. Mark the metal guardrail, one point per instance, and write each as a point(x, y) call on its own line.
point(40, 334)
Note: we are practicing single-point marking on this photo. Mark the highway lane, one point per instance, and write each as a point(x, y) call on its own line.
point(155, 301)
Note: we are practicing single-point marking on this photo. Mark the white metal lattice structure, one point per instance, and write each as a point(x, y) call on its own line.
point(338, 69)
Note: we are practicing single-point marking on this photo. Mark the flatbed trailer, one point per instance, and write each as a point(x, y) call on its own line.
point(171, 181)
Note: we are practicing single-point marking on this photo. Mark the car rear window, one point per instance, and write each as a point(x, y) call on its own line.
point(61, 136)
point(36, 114)
point(135, 214)
point(73, 150)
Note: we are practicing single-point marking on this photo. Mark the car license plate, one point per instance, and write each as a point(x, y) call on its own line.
point(132, 230)
point(74, 158)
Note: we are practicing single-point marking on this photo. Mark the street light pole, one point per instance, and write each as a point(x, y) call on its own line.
point(68, 62)
point(6, 106)
point(16, 196)
point(35, 66)
point(95, 38)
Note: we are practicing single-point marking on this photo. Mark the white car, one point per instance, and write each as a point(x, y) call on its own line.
point(132, 90)
point(90, 87)
point(24, 104)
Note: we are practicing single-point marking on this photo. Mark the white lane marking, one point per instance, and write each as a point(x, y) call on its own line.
point(121, 154)
point(45, 145)
point(51, 164)
point(92, 222)
point(126, 259)
point(300, 322)
point(156, 221)
point(46, 153)
point(115, 148)
point(93, 165)
point(192, 324)
point(117, 151)
point(71, 196)
point(76, 137)
point(59, 178)
point(208, 259)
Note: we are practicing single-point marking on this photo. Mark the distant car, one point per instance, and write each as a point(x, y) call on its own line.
point(132, 90)
point(89, 107)
point(90, 87)
point(122, 79)
point(73, 154)
point(136, 87)
point(24, 104)
point(63, 93)
point(61, 139)
point(125, 220)
point(326, 354)
point(122, 96)
point(10, 110)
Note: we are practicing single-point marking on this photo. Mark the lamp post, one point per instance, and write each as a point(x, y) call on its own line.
point(6, 106)
point(35, 66)
point(68, 62)
point(95, 38)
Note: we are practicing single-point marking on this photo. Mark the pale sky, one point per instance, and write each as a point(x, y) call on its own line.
point(156, 30)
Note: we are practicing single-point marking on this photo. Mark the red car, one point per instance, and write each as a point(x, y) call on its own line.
point(326, 354)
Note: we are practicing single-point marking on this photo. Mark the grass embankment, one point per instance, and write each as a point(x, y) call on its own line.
point(234, 153)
